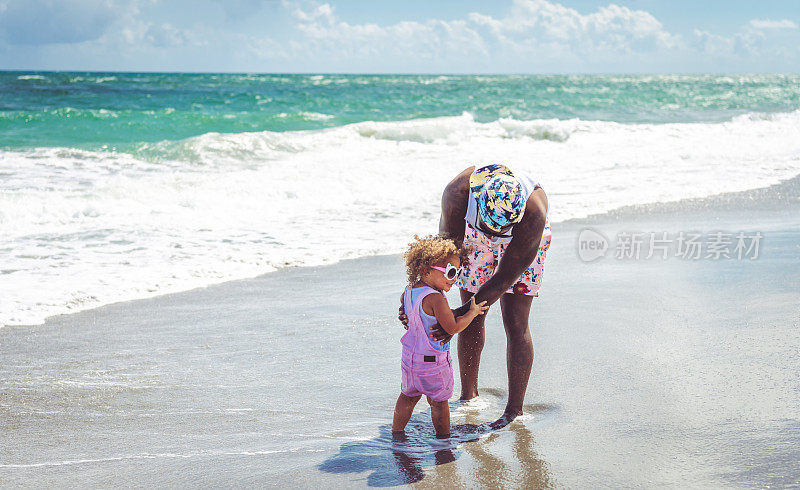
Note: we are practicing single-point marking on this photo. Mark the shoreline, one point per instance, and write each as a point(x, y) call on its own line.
point(774, 198)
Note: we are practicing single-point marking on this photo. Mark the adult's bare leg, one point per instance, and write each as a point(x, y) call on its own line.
point(516, 309)
point(470, 345)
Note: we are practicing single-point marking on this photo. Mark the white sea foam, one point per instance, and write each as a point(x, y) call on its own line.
point(308, 116)
point(316, 116)
point(80, 228)
point(110, 459)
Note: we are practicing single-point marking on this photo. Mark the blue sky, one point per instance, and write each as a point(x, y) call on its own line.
point(412, 36)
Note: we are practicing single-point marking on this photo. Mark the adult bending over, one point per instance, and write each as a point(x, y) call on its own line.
point(502, 216)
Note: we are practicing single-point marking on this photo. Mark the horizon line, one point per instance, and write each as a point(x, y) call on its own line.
point(159, 72)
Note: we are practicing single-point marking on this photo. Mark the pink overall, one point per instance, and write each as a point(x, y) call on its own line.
point(426, 371)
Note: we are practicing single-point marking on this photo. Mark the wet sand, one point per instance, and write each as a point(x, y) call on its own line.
point(646, 373)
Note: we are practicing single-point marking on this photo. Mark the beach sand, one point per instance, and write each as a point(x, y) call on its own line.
point(659, 372)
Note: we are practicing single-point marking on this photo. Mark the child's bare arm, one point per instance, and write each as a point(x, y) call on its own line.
point(444, 315)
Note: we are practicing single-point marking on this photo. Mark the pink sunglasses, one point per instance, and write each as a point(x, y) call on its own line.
point(450, 273)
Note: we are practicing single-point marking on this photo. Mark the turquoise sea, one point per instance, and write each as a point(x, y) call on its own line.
point(116, 186)
point(102, 110)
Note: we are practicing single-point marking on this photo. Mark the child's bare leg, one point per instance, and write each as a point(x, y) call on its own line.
point(403, 410)
point(440, 414)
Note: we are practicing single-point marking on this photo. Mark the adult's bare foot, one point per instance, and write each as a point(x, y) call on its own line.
point(465, 397)
point(503, 421)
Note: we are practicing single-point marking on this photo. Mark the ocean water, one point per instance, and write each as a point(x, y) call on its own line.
point(121, 186)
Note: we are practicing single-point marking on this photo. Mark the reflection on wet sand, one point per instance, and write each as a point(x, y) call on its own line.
point(418, 457)
point(392, 459)
point(445, 474)
point(534, 472)
point(496, 471)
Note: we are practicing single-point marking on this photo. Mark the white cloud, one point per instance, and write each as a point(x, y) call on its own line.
point(304, 35)
point(759, 44)
point(533, 32)
point(541, 35)
point(262, 48)
point(328, 37)
point(766, 24)
point(609, 30)
point(40, 22)
point(236, 10)
point(165, 35)
point(712, 44)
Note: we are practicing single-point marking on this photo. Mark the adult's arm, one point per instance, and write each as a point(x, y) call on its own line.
point(454, 207)
point(519, 254)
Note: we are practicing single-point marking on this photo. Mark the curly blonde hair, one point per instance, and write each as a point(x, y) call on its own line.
point(424, 252)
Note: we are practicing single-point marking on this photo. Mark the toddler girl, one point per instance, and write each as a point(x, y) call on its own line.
point(433, 265)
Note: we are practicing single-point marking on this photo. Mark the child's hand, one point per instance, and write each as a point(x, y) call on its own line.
point(477, 309)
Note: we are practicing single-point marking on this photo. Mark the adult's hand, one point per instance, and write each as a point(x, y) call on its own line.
point(401, 314)
point(439, 333)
